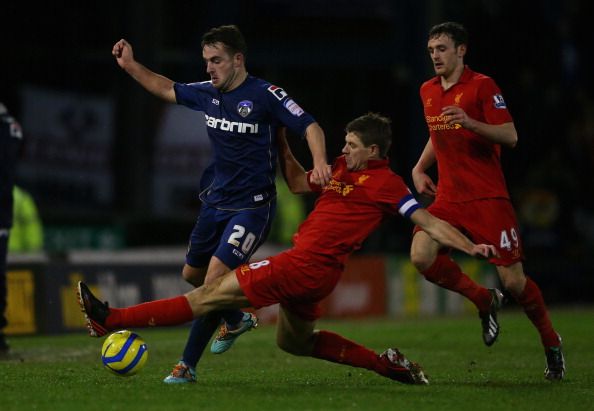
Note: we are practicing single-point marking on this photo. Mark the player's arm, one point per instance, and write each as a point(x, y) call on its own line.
point(423, 183)
point(317, 145)
point(504, 134)
point(294, 173)
point(442, 232)
point(155, 83)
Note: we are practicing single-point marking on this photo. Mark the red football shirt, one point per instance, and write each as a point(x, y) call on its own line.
point(468, 165)
point(350, 207)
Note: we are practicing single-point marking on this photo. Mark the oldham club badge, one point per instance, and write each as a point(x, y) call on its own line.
point(244, 108)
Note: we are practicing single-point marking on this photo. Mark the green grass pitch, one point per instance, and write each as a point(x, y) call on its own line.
point(65, 372)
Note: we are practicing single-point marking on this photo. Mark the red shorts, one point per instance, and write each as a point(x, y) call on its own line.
point(296, 279)
point(486, 221)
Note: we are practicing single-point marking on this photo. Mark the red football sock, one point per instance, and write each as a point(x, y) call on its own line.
point(534, 307)
point(335, 348)
point(447, 274)
point(169, 311)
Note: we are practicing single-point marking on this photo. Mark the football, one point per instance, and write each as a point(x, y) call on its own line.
point(124, 353)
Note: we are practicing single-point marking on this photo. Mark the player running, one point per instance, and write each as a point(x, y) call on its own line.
point(468, 122)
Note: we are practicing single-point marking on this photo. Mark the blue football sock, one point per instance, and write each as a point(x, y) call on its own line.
point(202, 329)
point(232, 317)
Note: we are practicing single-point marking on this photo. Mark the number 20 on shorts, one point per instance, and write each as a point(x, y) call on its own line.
point(238, 240)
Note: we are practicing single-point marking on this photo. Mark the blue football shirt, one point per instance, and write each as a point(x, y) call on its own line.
point(242, 125)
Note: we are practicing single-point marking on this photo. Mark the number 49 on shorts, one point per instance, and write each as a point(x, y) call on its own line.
point(506, 240)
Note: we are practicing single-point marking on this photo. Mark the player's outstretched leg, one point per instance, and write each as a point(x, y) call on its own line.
point(95, 311)
point(100, 318)
point(399, 368)
point(227, 336)
point(489, 321)
point(391, 363)
point(555, 368)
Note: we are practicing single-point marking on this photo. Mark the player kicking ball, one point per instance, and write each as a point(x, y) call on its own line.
point(362, 192)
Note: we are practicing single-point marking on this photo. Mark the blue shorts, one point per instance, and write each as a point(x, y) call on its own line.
point(232, 236)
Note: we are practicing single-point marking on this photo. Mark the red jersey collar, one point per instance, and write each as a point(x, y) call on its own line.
point(467, 74)
point(381, 163)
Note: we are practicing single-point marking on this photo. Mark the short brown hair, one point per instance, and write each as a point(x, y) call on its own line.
point(229, 36)
point(456, 31)
point(373, 128)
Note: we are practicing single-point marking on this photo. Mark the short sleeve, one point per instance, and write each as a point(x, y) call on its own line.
point(191, 95)
point(287, 111)
point(316, 188)
point(493, 105)
point(398, 196)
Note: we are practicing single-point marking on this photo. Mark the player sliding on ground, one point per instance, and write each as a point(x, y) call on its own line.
point(363, 191)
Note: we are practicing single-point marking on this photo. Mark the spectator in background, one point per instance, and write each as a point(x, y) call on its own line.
point(11, 137)
point(26, 234)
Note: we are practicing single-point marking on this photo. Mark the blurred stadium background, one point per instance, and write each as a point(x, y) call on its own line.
point(114, 171)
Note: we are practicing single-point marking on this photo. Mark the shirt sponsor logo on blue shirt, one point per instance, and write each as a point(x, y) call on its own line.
point(498, 101)
point(232, 126)
point(245, 107)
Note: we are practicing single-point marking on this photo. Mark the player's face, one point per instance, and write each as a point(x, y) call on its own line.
point(221, 66)
point(355, 153)
point(446, 57)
